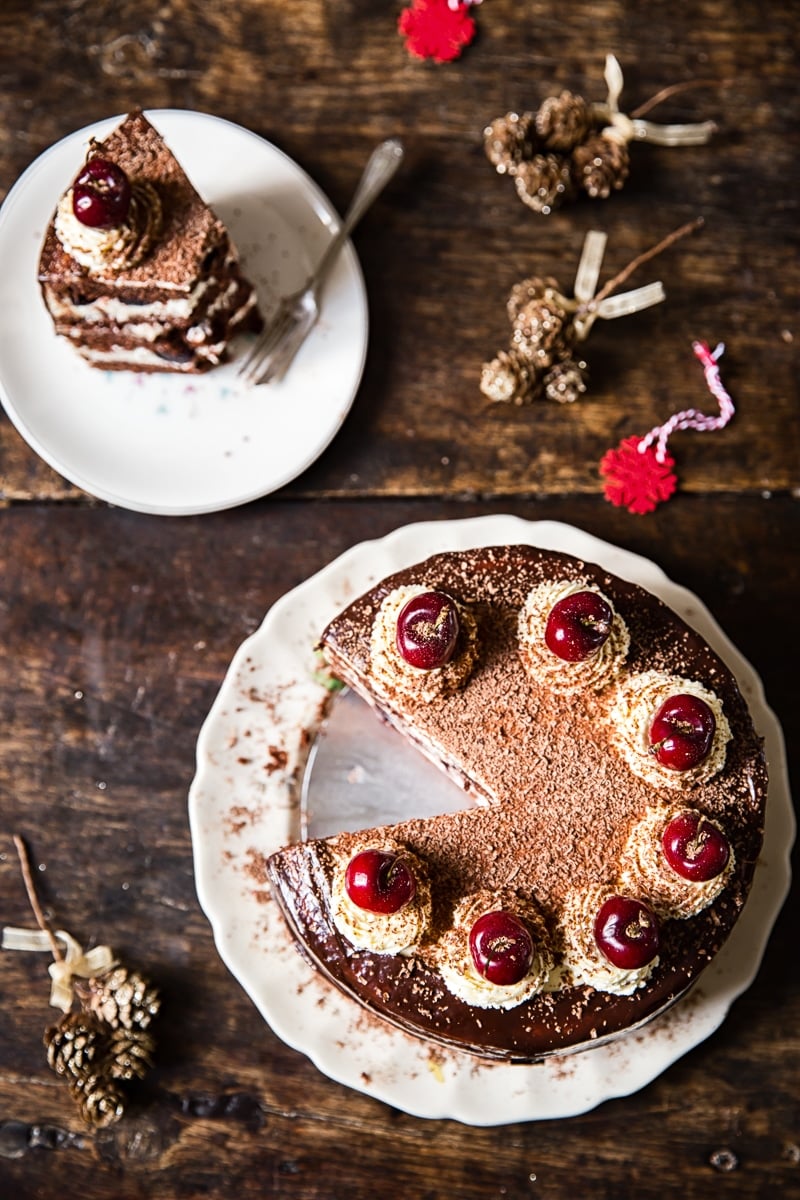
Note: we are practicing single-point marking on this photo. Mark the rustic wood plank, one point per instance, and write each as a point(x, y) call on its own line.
point(445, 243)
point(117, 631)
point(117, 628)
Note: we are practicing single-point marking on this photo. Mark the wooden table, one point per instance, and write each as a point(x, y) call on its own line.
point(118, 626)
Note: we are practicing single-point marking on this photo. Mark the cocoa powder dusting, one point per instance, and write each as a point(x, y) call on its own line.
point(564, 801)
point(190, 230)
point(567, 800)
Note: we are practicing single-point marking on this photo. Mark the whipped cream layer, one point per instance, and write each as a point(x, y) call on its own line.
point(136, 343)
point(107, 251)
point(637, 700)
point(393, 676)
point(109, 310)
point(454, 959)
point(381, 933)
point(583, 960)
point(143, 358)
point(547, 668)
point(645, 871)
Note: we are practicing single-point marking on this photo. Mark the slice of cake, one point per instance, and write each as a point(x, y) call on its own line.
point(136, 270)
point(614, 812)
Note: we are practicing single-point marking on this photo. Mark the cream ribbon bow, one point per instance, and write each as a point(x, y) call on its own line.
point(94, 962)
point(628, 129)
point(585, 308)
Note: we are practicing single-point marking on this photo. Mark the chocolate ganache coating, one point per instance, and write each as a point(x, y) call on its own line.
point(550, 803)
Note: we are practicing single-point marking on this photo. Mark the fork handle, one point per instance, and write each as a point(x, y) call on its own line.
point(381, 166)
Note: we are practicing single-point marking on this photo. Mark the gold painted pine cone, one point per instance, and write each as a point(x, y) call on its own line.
point(99, 1099)
point(75, 1046)
point(600, 165)
point(121, 997)
point(533, 288)
point(541, 332)
point(508, 141)
point(130, 1053)
point(565, 382)
point(509, 378)
point(544, 182)
point(563, 121)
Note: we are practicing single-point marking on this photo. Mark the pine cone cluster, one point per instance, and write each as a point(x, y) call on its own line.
point(540, 362)
point(106, 1043)
point(556, 152)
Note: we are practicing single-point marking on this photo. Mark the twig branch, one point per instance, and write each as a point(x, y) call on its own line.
point(674, 90)
point(664, 244)
point(27, 876)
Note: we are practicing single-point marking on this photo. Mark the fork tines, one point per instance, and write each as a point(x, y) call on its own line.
point(255, 361)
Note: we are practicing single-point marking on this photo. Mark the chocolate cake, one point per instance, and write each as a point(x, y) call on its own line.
point(136, 270)
point(615, 792)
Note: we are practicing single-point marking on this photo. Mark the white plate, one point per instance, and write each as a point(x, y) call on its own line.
point(243, 804)
point(177, 444)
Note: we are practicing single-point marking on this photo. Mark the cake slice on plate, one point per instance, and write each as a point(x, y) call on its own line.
point(615, 791)
point(136, 270)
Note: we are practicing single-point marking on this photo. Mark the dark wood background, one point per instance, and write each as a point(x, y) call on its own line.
point(117, 627)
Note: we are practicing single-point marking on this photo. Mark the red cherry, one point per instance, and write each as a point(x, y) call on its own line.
point(501, 948)
point(695, 848)
point(379, 881)
point(101, 194)
point(626, 932)
point(682, 732)
point(578, 625)
point(427, 630)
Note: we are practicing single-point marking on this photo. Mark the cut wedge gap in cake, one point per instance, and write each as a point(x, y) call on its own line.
point(363, 772)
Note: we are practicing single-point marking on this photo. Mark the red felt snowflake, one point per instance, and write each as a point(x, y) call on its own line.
point(639, 472)
point(636, 479)
point(433, 29)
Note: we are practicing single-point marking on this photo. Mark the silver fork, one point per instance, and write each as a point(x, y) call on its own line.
point(271, 356)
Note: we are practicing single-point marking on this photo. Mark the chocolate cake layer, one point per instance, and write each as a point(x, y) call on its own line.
point(558, 804)
point(178, 308)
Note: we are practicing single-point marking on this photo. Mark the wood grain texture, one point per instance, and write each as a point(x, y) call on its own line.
point(117, 630)
point(443, 246)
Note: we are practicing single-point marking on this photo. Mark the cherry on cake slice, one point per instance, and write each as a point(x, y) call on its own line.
point(594, 871)
point(136, 271)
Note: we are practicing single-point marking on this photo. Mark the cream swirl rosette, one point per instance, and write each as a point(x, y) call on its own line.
point(454, 958)
point(638, 699)
point(583, 961)
point(392, 675)
point(382, 933)
point(107, 251)
point(545, 667)
point(645, 871)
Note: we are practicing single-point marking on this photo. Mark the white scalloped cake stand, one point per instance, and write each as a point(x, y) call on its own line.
point(243, 804)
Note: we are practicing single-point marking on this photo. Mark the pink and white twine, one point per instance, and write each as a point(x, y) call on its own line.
point(692, 418)
point(639, 473)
